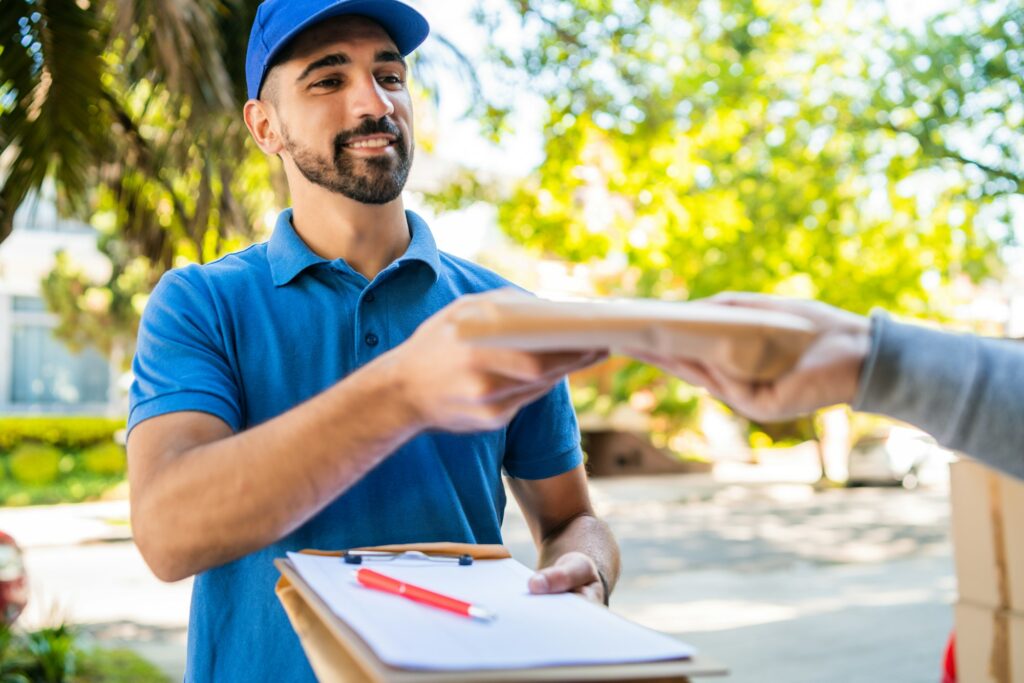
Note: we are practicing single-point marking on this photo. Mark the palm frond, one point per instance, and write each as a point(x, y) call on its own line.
point(52, 114)
point(177, 43)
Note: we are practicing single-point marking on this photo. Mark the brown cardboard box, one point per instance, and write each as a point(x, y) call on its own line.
point(988, 536)
point(746, 344)
point(989, 644)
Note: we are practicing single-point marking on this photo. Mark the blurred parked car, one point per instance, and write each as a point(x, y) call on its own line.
point(13, 584)
point(897, 456)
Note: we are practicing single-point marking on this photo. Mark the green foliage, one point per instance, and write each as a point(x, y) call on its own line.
point(667, 406)
point(53, 107)
point(105, 458)
point(51, 655)
point(44, 656)
point(59, 459)
point(782, 434)
point(34, 464)
point(103, 315)
point(66, 433)
point(807, 149)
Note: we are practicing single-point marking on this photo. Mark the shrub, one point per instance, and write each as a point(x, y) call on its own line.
point(67, 433)
point(104, 458)
point(35, 464)
point(88, 462)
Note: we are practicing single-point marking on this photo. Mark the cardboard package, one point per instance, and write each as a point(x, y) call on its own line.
point(988, 552)
point(989, 644)
point(988, 536)
point(747, 344)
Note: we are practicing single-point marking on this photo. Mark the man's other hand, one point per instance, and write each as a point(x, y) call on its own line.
point(573, 572)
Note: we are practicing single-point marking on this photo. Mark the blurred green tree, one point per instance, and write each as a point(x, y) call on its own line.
point(812, 149)
point(800, 148)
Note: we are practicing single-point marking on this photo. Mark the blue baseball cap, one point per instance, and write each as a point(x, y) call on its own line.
point(278, 21)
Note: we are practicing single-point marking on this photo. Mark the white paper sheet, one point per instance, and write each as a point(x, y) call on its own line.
point(530, 630)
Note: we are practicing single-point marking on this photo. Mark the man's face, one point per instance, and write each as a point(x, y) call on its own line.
point(344, 110)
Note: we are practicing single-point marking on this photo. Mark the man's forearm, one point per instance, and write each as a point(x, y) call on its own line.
point(219, 501)
point(588, 535)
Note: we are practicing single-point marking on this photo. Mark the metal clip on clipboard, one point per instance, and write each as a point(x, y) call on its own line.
point(361, 556)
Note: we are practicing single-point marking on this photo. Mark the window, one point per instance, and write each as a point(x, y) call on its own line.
point(44, 372)
point(28, 304)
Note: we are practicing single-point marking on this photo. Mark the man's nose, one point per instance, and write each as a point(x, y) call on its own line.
point(372, 100)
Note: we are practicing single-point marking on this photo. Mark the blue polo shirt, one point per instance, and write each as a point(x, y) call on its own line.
point(250, 336)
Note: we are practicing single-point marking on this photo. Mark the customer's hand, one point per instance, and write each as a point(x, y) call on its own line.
point(573, 572)
point(828, 372)
point(453, 385)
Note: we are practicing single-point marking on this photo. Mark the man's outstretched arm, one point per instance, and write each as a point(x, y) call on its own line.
point(202, 496)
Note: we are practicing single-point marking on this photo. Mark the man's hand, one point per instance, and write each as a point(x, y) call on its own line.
point(455, 386)
point(573, 572)
point(828, 373)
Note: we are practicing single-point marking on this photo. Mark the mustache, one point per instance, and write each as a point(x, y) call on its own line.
point(368, 127)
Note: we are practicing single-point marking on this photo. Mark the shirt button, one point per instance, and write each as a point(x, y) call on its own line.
point(369, 298)
point(371, 339)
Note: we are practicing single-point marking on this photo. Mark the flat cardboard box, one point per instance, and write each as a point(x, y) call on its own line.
point(747, 344)
point(988, 536)
point(989, 644)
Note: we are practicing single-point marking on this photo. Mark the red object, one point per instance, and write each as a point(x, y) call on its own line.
point(13, 585)
point(949, 663)
point(378, 581)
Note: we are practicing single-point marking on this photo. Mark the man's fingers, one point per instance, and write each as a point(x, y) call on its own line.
point(748, 299)
point(564, 366)
point(571, 572)
point(535, 367)
point(525, 397)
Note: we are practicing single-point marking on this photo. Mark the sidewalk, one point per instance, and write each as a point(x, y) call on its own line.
point(43, 526)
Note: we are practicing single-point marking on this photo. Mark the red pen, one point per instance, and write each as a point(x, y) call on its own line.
point(377, 581)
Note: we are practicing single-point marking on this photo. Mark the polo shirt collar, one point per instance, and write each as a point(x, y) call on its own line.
point(288, 255)
point(422, 246)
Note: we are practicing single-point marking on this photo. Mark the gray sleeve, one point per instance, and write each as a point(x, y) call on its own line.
point(966, 391)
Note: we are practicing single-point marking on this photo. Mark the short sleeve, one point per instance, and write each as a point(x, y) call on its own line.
point(543, 440)
point(180, 361)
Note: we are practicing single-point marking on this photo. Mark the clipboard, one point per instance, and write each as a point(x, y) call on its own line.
point(338, 654)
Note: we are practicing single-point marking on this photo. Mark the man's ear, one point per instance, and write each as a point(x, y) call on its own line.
point(259, 119)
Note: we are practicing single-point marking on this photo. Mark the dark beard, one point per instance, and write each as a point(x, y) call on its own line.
point(378, 183)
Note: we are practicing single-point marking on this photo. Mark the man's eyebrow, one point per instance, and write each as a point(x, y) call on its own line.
point(390, 56)
point(333, 59)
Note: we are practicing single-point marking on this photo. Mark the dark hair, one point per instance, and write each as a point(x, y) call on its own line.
point(283, 55)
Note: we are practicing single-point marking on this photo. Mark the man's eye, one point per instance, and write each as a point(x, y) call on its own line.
point(327, 83)
point(391, 80)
